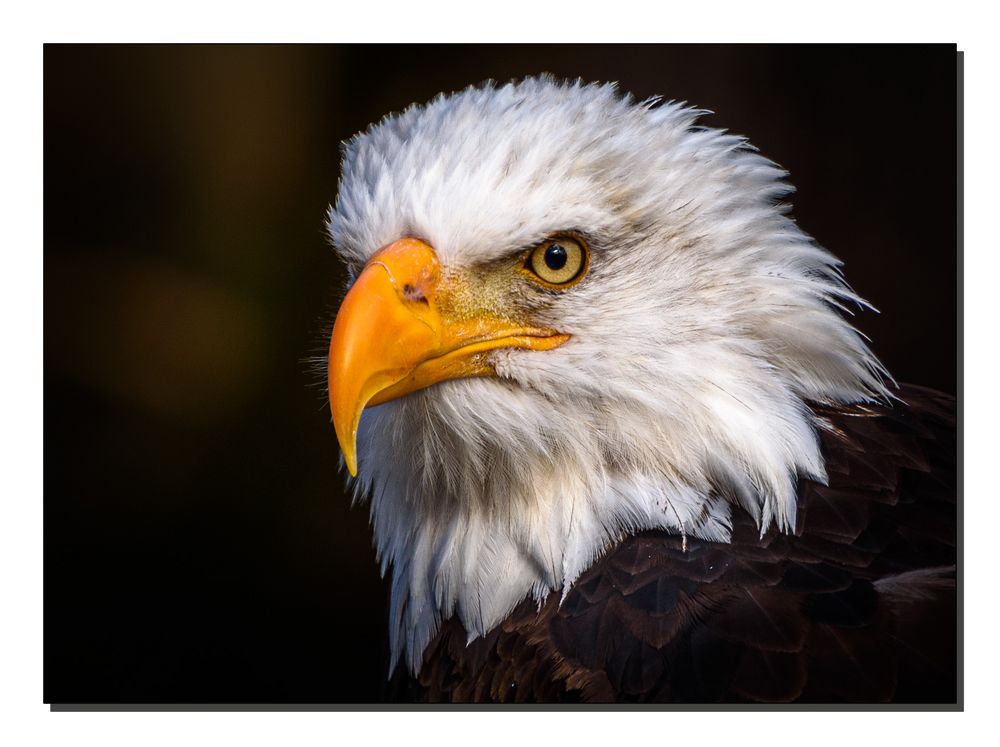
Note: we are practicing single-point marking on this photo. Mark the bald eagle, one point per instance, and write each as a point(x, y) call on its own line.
point(619, 441)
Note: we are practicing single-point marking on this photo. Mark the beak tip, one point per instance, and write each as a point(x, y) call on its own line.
point(348, 445)
point(348, 448)
point(352, 464)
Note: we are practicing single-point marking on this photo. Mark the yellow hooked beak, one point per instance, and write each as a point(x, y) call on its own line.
point(392, 337)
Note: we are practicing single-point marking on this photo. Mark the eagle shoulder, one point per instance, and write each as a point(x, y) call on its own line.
point(857, 605)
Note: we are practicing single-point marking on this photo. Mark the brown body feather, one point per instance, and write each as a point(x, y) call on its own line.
point(858, 605)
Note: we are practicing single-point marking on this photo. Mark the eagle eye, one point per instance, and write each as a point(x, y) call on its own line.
point(558, 262)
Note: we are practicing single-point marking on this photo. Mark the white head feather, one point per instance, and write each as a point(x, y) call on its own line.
point(707, 322)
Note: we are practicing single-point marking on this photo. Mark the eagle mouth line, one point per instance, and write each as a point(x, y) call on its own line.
point(466, 358)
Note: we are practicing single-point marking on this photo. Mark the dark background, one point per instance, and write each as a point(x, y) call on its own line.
point(198, 543)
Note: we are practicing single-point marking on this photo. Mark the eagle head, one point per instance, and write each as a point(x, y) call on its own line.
point(572, 316)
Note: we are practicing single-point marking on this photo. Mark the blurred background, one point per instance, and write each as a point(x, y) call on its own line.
point(199, 546)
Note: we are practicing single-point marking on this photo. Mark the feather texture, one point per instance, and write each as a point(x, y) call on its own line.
point(706, 323)
point(821, 615)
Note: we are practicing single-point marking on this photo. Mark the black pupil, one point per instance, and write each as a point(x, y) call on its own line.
point(555, 257)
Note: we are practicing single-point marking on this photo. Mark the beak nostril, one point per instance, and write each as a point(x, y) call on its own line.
point(411, 293)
